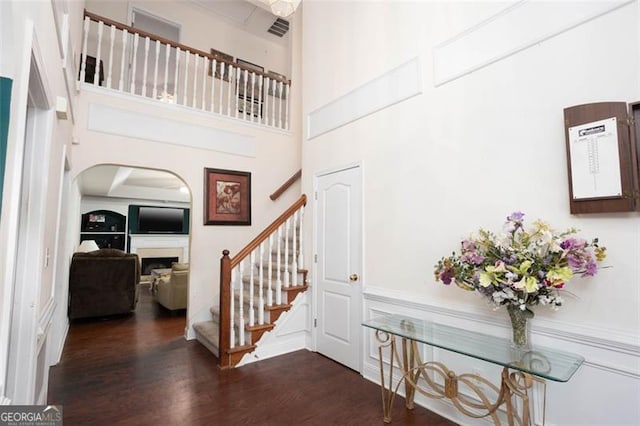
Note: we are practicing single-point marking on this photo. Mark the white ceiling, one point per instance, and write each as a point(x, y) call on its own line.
point(253, 16)
point(130, 182)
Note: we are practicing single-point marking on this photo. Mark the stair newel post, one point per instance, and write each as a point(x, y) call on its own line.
point(225, 313)
point(252, 262)
point(260, 288)
point(232, 308)
point(270, 273)
point(241, 305)
point(287, 224)
point(294, 252)
point(278, 273)
point(300, 240)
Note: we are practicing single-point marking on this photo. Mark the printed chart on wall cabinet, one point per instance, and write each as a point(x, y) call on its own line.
point(595, 160)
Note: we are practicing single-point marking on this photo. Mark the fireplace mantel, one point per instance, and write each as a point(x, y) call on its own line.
point(162, 244)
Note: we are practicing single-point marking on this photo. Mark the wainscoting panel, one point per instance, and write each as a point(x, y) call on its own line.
point(603, 391)
point(516, 28)
point(395, 86)
point(123, 122)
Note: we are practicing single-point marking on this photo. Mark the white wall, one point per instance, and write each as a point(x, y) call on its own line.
point(467, 153)
point(32, 29)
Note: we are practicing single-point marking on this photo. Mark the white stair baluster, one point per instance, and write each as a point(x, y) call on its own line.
point(286, 106)
point(213, 84)
point(167, 55)
point(205, 64)
point(259, 115)
point(253, 96)
point(175, 76)
point(125, 40)
point(261, 283)
point(154, 92)
point(252, 264)
point(222, 65)
point(112, 36)
point(270, 273)
point(146, 67)
point(186, 77)
point(278, 273)
point(136, 38)
point(232, 74)
point(83, 64)
point(294, 252)
point(245, 82)
point(240, 308)
point(96, 74)
point(238, 74)
point(280, 105)
point(232, 308)
point(195, 80)
point(273, 103)
point(287, 224)
point(301, 241)
point(265, 113)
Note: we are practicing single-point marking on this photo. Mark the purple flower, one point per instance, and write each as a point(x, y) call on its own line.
point(515, 217)
point(446, 276)
point(573, 244)
point(591, 268)
point(575, 263)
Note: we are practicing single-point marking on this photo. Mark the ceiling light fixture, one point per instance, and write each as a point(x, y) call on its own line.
point(283, 8)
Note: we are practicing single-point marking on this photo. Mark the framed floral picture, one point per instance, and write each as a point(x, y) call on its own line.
point(227, 197)
point(220, 55)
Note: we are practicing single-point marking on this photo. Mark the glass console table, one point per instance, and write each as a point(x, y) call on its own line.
point(520, 368)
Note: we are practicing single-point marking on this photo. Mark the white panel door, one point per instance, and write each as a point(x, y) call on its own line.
point(339, 266)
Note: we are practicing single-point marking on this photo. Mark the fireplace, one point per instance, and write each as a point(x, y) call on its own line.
point(149, 263)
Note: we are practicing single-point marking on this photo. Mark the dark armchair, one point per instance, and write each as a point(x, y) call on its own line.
point(103, 282)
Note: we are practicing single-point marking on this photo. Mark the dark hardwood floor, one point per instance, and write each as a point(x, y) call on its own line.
point(139, 370)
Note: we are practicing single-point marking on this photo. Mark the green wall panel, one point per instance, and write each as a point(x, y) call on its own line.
point(5, 109)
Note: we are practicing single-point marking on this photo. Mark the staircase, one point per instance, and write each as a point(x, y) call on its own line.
point(257, 286)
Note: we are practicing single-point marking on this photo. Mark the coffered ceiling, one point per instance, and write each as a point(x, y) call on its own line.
point(130, 182)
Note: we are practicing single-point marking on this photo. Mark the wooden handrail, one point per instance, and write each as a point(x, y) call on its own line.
point(268, 231)
point(278, 192)
point(154, 37)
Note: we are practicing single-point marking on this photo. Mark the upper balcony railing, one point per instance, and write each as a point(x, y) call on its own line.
point(143, 64)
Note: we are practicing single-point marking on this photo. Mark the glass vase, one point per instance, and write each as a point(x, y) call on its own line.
point(520, 324)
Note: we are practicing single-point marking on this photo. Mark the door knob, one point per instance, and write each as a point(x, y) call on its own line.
point(353, 277)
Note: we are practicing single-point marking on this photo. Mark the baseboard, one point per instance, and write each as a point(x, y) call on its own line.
point(60, 347)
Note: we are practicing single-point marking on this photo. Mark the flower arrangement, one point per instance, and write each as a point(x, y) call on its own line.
point(522, 267)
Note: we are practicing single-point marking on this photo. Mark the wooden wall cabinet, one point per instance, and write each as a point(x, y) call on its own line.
point(584, 124)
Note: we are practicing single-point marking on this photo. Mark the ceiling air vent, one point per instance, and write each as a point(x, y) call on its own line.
point(279, 27)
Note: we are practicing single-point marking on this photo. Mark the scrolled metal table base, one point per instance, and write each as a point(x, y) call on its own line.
point(513, 384)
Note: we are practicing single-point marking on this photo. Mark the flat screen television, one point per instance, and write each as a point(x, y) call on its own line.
point(160, 220)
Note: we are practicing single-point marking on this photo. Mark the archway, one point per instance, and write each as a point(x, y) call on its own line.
point(152, 210)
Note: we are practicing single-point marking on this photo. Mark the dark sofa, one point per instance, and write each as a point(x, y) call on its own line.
point(103, 282)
